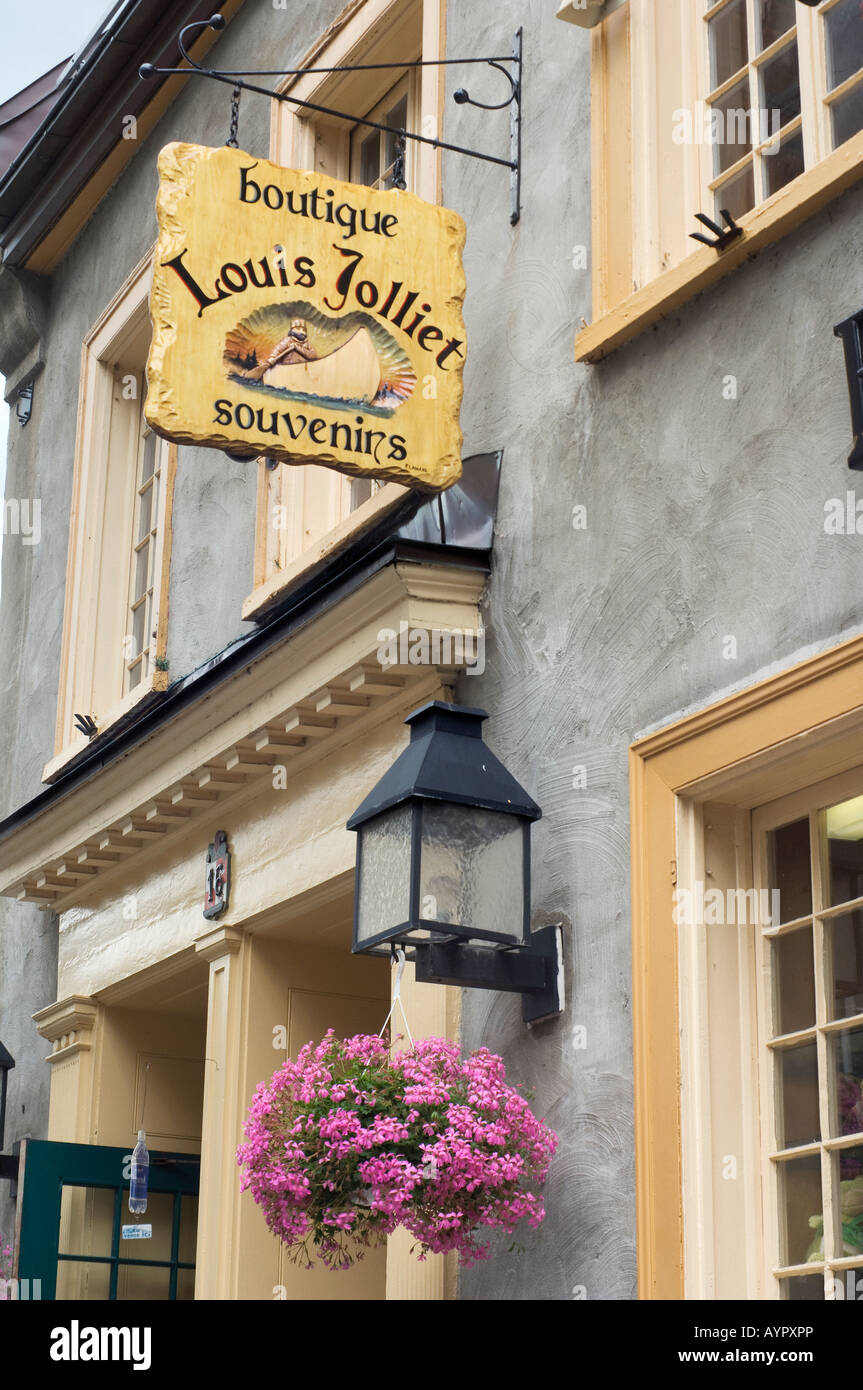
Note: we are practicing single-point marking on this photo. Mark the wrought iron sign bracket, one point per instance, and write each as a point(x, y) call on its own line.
point(513, 71)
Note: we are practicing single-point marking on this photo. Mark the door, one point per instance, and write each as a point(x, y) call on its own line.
point(72, 1210)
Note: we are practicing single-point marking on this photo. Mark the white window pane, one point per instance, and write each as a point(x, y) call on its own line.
point(845, 935)
point(790, 871)
point(148, 461)
point(370, 158)
point(793, 963)
point(737, 196)
point(139, 620)
point(145, 513)
point(847, 116)
point(734, 134)
point(397, 116)
point(798, 1077)
point(775, 18)
point(844, 33)
point(807, 1288)
point(847, 1068)
point(783, 165)
point(729, 47)
point(845, 850)
point(780, 88)
point(800, 1208)
point(142, 566)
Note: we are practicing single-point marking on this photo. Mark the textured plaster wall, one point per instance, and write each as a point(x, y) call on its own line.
point(705, 519)
point(214, 516)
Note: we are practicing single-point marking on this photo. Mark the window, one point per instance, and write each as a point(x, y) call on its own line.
point(811, 1039)
point(143, 619)
point(373, 152)
point(114, 634)
point(754, 100)
point(732, 990)
point(374, 155)
point(754, 106)
point(773, 124)
point(305, 512)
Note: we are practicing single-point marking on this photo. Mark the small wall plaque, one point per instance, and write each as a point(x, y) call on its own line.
point(218, 880)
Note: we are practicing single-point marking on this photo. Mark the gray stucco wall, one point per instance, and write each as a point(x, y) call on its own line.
point(704, 521)
point(214, 517)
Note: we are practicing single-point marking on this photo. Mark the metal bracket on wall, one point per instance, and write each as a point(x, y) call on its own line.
point(535, 971)
point(236, 80)
point(722, 236)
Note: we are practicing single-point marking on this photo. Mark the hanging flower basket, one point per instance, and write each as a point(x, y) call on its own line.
point(348, 1142)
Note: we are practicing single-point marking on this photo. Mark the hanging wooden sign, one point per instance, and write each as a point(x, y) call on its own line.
point(305, 319)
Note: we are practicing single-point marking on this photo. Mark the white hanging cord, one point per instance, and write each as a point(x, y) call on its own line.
point(397, 996)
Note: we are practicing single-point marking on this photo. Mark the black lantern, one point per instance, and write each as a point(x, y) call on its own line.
point(7, 1062)
point(443, 861)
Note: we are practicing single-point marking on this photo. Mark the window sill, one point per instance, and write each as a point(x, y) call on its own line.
point(80, 744)
point(765, 225)
point(280, 582)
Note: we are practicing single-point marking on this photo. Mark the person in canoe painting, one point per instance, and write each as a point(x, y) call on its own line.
point(334, 361)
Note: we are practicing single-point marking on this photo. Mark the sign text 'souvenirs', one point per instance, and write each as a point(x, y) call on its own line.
point(306, 319)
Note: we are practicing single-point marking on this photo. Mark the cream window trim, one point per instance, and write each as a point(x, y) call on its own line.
point(283, 554)
point(650, 59)
point(766, 224)
point(371, 31)
point(96, 618)
point(719, 1097)
point(299, 702)
point(407, 86)
point(306, 513)
point(766, 741)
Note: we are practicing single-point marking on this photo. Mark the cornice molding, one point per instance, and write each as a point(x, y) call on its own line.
point(68, 1025)
point(221, 942)
point(322, 688)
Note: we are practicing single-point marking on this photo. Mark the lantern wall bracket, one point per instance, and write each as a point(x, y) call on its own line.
point(534, 971)
point(237, 80)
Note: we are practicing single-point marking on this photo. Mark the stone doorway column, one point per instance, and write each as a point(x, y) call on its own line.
point(227, 950)
point(71, 1026)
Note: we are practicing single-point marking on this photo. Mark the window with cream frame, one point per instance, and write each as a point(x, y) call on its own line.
point(697, 105)
point(769, 916)
point(114, 627)
point(808, 853)
point(305, 512)
point(717, 801)
point(768, 912)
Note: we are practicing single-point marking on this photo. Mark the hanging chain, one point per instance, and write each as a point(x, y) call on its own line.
point(399, 161)
point(235, 118)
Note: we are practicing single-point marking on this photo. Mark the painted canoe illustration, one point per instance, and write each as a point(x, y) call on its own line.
point(351, 373)
point(294, 350)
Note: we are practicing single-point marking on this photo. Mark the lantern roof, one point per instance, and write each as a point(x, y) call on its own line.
point(447, 760)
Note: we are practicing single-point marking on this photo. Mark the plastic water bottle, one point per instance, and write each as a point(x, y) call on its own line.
point(140, 1176)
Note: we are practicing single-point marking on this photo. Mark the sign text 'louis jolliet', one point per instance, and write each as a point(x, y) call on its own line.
point(305, 319)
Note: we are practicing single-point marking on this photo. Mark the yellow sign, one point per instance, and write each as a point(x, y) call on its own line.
point(306, 319)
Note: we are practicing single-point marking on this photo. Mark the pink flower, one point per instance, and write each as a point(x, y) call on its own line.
point(348, 1142)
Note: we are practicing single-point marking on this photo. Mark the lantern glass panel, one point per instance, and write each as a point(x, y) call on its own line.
point(385, 873)
point(472, 870)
